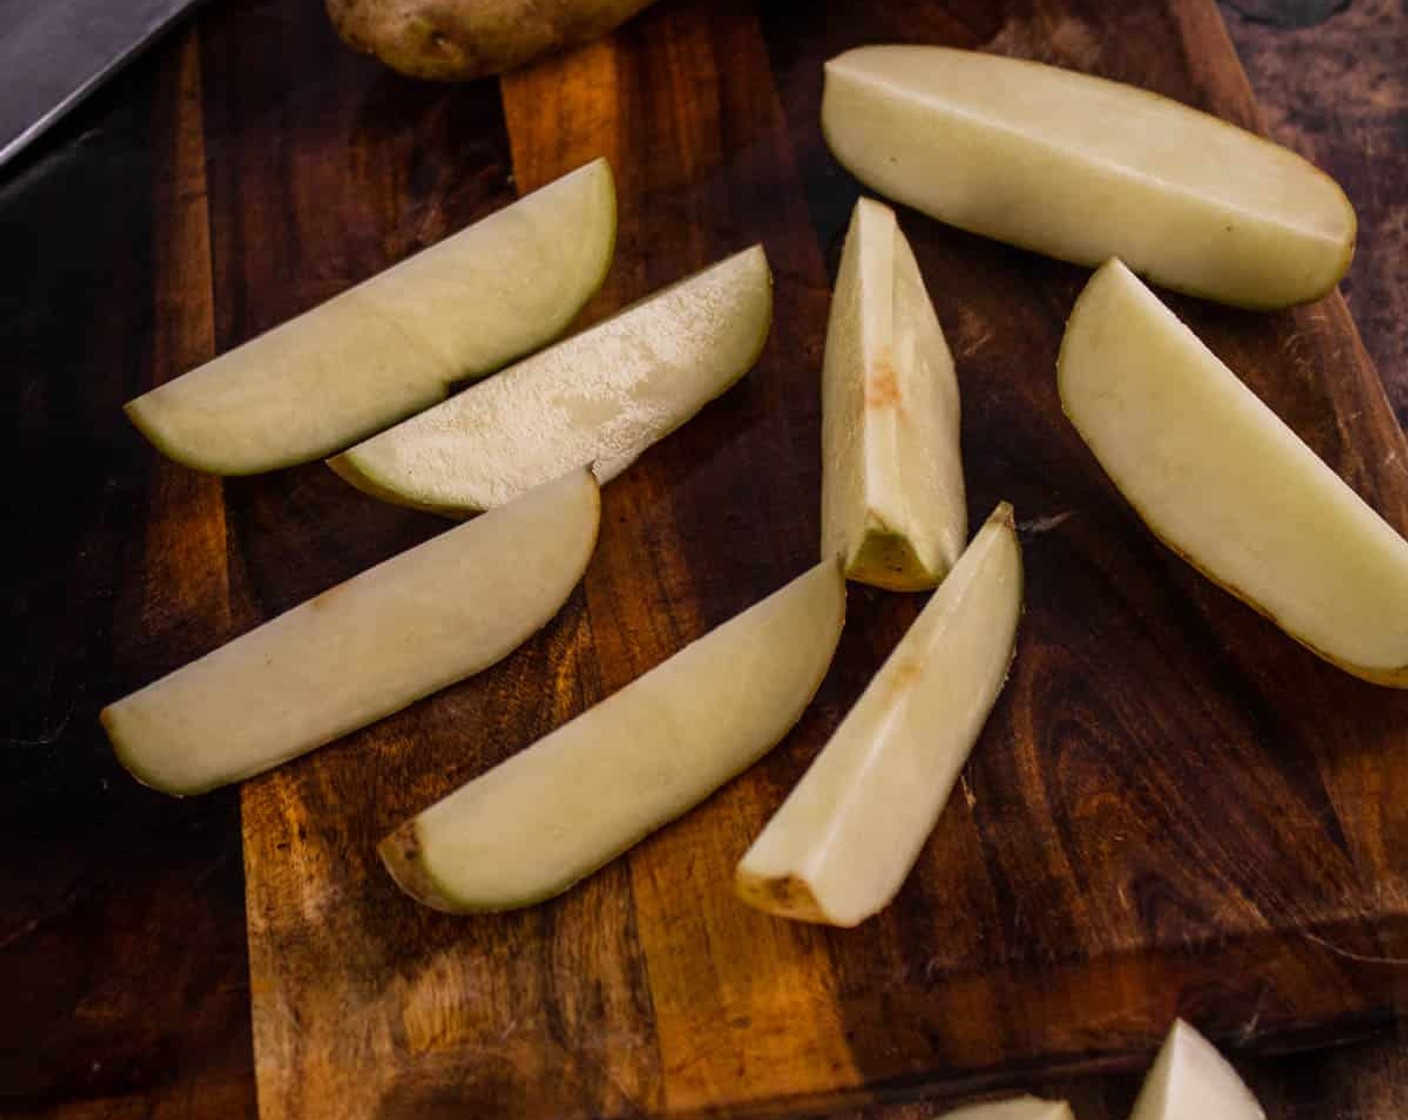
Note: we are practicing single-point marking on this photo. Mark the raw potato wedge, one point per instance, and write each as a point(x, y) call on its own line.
point(1013, 1108)
point(891, 478)
point(1223, 482)
point(394, 344)
point(1084, 169)
point(1190, 1080)
point(601, 397)
point(422, 620)
point(455, 40)
point(552, 814)
point(846, 838)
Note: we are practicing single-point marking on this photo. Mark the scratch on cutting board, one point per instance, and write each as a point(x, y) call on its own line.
point(48, 736)
point(62, 906)
point(1362, 957)
point(1248, 1030)
point(1038, 525)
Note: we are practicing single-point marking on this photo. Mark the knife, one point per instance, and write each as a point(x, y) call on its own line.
point(54, 52)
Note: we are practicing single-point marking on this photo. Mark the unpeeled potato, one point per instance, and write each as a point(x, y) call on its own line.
point(454, 40)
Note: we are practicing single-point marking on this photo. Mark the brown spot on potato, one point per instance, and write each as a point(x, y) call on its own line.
point(403, 856)
point(785, 895)
point(783, 890)
point(905, 673)
point(882, 387)
point(324, 599)
point(405, 841)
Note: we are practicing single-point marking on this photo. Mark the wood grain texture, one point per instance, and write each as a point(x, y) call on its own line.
point(1175, 810)
point(1337, 92)
point(682, 88)
point(1121, 852)
point(381, 167)
point(1137, 853)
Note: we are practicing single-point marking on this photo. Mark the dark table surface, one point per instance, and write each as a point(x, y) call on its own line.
point(91, 995)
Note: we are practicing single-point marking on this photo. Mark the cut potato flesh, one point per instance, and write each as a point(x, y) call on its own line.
point(394, 344)
point(845, 839)
point(552, 814)
point(1084, 169)
point(1222, 481)
point(1013, 1108)
point(599, 398)
point(368, 647)
point(892, 504)
point(1190, 1080)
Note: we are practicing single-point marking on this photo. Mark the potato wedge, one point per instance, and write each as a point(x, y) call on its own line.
point(552, 814)
point(847, 836)
point(395, 343)
point(1227, 485)
point(892, 499)
point(600, 397)
point(1084, 169)
point(422, 620)
point(1190, 1080)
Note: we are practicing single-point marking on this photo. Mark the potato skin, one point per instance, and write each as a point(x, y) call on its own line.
point(456, 40)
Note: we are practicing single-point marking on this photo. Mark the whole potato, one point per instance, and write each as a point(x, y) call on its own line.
point(450, 40)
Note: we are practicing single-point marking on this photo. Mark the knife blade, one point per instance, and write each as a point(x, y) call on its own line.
point(54, 52)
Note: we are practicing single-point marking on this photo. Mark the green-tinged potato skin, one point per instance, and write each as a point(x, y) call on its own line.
point(458, 40)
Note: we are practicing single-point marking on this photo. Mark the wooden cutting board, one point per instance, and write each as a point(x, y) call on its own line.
point(1174, 809)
